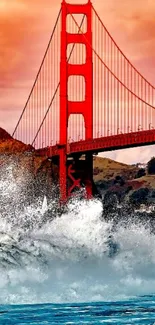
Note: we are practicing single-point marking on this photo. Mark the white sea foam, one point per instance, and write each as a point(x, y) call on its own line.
point(72, 257)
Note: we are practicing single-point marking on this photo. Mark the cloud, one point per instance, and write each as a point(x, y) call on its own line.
point(132, 155)
point(132, 24)
point(25, 28)
point(20, 29)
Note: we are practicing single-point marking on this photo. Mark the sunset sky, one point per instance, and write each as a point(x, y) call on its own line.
point(25, 28)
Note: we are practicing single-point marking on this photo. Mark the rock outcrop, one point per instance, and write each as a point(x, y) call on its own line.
point(26, 165)
point(4, 135)
point(9, 146)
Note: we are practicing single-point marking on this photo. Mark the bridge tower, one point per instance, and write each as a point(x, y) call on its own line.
point(73, 172)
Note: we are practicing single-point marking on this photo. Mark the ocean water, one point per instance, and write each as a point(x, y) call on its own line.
point(73, 269)
point(136, 311)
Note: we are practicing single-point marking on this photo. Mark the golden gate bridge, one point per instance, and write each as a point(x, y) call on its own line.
point(87, 98)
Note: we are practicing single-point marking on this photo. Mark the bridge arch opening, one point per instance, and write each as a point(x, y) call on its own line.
point(76, 53)
point(76, 88)
point(76, 128)
point(78, 1)
point(74, 21)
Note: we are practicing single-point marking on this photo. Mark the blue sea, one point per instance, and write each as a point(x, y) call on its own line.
point(140, 311)
point(71, 269)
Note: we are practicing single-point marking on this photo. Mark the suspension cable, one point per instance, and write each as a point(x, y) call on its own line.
point(121, 50)
point(37, 73)
point(131, 92)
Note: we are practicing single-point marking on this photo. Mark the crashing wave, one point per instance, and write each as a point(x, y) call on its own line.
point(48, 255)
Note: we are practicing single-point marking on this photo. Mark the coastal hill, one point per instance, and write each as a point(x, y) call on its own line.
point(25, 162)
point(106, 169)
point(8, 145)
point(124, 181)
point(4, 135)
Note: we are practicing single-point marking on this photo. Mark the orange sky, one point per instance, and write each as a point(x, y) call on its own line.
point(25, 28)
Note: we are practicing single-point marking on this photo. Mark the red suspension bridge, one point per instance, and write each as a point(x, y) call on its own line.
point(87, 97)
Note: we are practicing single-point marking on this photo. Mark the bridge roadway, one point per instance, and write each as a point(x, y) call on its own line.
point(108, 143)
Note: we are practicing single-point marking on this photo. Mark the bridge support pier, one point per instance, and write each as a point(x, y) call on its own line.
point(75, 174)
point(63, 174)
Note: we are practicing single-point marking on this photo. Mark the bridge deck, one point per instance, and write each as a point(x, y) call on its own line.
point(109, 143)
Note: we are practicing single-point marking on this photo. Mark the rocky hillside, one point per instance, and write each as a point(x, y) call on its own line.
point(9, 146)
point(4, 135)
point(107, 169)
point(123, 181)
point(18, 151)
point(24, 162)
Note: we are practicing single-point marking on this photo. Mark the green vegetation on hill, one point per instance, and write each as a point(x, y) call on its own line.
point(151, 166)
point(127, 183)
